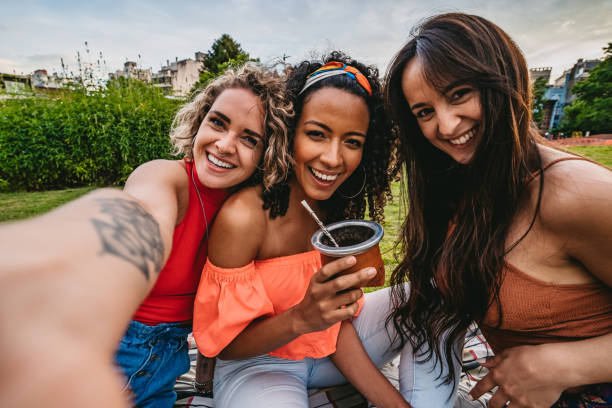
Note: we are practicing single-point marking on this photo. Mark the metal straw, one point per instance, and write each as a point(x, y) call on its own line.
point(325, 231)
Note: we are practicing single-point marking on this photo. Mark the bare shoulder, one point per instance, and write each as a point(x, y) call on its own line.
point(239, 229)
point(573, 187)
point(159, 172)
point(575, 207)
point(161, 186)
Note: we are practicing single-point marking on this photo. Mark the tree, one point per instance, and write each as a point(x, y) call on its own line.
point(224, 53)
point(592, 109)
point(539, 89)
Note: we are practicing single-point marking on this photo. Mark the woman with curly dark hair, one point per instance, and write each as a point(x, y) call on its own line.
point(501, 229)
point(265, 306)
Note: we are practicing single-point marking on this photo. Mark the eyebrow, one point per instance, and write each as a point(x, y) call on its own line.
point(228, 121)
point(417, 105)
point(324, 126)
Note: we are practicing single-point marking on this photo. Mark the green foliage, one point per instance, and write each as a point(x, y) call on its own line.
point(224, 53)
point(592, 109)
point(539, 88)
point(82, 137)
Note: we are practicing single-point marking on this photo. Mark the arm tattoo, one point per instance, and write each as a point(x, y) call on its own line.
point(132, 234)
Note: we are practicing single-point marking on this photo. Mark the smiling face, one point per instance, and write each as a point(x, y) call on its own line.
point(329, 140)
point(229, 142)
point(453, 121)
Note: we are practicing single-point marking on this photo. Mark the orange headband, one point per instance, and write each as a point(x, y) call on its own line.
point(337, 68)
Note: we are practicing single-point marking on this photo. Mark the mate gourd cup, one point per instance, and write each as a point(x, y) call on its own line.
point(359, 238)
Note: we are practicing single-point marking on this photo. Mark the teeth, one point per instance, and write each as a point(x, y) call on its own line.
point(219, 163)
point(322, 176)
point(463, 139)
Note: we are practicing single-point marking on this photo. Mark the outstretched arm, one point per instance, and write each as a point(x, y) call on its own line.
point(353, 361)
point(70, 281)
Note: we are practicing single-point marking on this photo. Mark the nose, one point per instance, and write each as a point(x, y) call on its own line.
point(448, 121)
point(332, 155)
point(226, 143)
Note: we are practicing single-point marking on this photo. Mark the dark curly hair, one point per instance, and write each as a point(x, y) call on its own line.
point(378, 150)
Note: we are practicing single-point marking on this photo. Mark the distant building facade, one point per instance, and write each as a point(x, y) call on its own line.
point(541, 72)
point(560, 94)
point(178, 77)
point(13, 83)
point(131, 70)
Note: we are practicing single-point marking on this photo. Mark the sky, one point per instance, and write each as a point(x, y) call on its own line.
point(38, 34)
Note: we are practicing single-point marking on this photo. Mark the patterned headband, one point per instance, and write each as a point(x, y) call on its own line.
point(337, 68)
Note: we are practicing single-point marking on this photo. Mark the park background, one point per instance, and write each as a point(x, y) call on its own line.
point(81, 105)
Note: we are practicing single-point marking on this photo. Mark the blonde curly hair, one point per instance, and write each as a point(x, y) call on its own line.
point(269, 86)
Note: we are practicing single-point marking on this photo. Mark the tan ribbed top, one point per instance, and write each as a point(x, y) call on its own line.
point(536, 312)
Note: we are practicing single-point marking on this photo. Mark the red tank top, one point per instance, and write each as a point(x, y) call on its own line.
point(172, 297)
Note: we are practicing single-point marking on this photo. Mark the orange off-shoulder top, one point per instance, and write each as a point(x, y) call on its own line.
point(228, 299)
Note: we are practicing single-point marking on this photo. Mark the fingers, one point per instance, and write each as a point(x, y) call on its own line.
point(482, 387)
point(353, 280)
point(332, 268)
point(499, 400)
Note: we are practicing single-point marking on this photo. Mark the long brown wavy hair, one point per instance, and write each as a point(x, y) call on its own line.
point(378, 150)
point(458, 216)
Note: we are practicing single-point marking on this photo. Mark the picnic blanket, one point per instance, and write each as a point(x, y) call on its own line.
point(346, 396)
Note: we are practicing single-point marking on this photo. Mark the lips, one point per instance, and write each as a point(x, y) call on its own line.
point(218, 162)
point(323, 177)
point(463, 139)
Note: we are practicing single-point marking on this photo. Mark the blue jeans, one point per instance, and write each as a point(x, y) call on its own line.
point(152, 357)
point(266, 381)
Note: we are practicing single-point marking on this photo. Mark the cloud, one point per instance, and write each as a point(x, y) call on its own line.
point(549, 32)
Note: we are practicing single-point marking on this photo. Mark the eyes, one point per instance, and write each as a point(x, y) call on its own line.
point(250, 141)
point(353, 142)
point(455, 96)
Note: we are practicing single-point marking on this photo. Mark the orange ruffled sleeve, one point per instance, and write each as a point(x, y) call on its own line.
point(226, 302)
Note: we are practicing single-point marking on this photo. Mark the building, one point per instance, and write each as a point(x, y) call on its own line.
point(560, 94)
point(178, 78)
point(131, 70)
point(537, 73)
point(13, 83)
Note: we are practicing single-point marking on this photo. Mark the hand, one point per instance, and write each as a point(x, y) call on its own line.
point(329, 301)
point(527, 376)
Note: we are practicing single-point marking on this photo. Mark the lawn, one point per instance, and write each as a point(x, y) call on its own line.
point(16, 206)
point(21, 205)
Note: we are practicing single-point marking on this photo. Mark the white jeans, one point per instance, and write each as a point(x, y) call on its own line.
point(266, 381)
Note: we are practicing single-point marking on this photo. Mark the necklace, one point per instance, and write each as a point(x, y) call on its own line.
point(200, 199)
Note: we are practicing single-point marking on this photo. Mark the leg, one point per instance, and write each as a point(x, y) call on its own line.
point(422, 384)
point(376, 339)
point(152, 357)
point(418, 383)
point(260, 382)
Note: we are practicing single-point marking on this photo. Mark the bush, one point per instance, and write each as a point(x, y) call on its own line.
point(81, 138)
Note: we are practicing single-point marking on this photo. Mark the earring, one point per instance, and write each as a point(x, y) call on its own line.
point(360, 190)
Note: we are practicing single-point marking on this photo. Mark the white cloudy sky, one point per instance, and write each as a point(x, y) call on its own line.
point(36, 34)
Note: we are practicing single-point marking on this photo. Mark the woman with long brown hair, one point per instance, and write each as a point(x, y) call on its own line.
point(501, 229)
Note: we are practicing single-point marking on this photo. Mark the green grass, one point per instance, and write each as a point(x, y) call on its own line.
point(20, 205)
point(601, 154)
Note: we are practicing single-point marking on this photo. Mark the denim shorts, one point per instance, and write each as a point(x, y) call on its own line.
point(151, 358)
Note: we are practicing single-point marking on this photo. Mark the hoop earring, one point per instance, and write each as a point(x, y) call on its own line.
point(360, 190)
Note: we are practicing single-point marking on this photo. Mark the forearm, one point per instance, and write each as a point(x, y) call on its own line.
point(583, 362)
point(353, 361)
point(95, 257)
point(263, 336)
point(69, 283)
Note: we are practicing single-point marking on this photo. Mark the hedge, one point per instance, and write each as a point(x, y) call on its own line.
point(79, 138)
